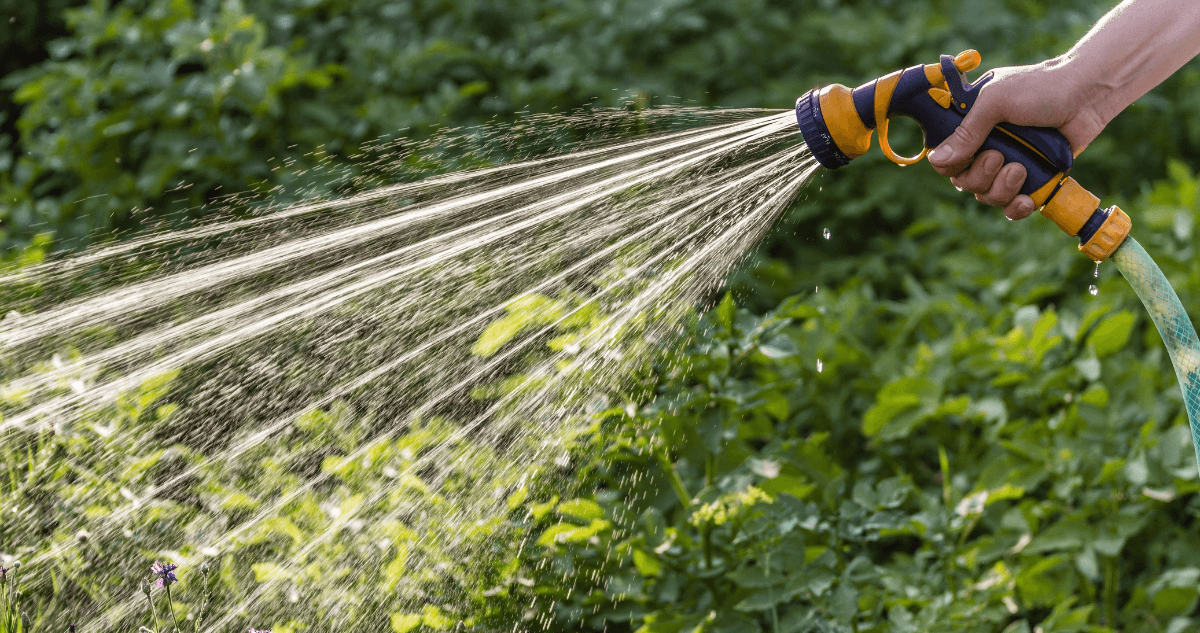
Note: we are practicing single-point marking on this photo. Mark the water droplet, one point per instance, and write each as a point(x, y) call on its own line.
point(1093, 290)
point(818, 289)
point(826, 233)
point(820, 188)
point(820, 366)
point(1097, 273)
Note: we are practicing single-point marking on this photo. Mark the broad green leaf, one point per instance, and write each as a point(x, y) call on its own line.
point(405, 622)
point(269, 572)
point(583, 509)
point(795, 486)
point(539, 510)
point(898, 397)
point(780, 346)
point(517, 497)
point(725, 311)
point(1047, 581)
point(1112, 333)
point(1069, 533)
point(571, 533)
point(523, 312)
point(647, 564)
point(1174, 601)
point(1004, 493)
point(436, 619)
point(755, 576)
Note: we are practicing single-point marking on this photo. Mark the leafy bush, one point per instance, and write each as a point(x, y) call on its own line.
point(916, 425)
point(904, 450)
point(150, 109)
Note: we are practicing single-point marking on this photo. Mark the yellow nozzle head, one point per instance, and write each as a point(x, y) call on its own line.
point(843, 122)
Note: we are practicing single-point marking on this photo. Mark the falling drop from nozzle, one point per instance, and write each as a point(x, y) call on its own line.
point(820, 366)
point(1093, 290)
point(826, 233)
point(1097, 273)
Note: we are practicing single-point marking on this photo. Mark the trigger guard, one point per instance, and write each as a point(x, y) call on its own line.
point(891, 154)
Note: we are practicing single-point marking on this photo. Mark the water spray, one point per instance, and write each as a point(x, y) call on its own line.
point(837, 123)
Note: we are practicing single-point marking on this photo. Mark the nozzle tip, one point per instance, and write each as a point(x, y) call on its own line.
point(816, 132)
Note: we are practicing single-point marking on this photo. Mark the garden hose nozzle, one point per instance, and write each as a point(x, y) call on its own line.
point(837, 123)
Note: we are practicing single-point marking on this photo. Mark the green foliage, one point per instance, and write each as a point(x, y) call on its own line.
point(989, 450)
point(149, 109)
point(923, 424)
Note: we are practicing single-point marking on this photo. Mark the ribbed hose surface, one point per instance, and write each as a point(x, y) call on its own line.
point(1172, 321)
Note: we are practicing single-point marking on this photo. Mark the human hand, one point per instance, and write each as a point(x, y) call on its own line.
point(1050, 94)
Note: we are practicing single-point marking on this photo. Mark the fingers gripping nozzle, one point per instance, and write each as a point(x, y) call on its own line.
point(837, 123)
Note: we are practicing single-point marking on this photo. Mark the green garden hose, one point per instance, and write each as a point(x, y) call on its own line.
point(1172, 321)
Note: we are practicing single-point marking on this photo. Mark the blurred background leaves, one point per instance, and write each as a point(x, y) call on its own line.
point(924, 423)
point(120, 113)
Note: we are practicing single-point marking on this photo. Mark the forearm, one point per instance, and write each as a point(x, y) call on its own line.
point(1131, 50)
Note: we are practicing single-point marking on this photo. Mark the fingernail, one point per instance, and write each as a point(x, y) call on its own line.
point(994, 162)
point(1014, 177)
point(942, 154)
point(1025, 207)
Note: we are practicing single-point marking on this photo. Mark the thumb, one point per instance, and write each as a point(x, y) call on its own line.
point(956, 153)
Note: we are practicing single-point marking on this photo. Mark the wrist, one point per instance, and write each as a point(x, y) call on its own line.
point(1092, 95)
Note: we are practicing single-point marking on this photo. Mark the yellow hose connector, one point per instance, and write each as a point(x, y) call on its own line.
point(1071, 206)
point(1109, 236)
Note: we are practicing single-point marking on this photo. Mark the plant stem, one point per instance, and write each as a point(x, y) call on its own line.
point(171, 607)
point(708, 544)
point(1111, 578)
point(203, 610)
point(150, 599)
point(7, 612)
point(771, 596)
point(673, 475)
point(12, 614)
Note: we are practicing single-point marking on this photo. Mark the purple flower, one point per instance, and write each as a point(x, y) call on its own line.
point(3, 572)
point(165, 573)
point(254, 630)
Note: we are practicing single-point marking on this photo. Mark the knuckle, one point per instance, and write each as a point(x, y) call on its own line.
point(964, 136)
point(984, 198)
point(1012, 178)
point(974, 180)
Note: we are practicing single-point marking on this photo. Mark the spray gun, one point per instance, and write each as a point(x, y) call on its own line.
point(837, 123)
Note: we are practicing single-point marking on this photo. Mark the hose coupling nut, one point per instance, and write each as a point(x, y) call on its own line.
point(1109, 236)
